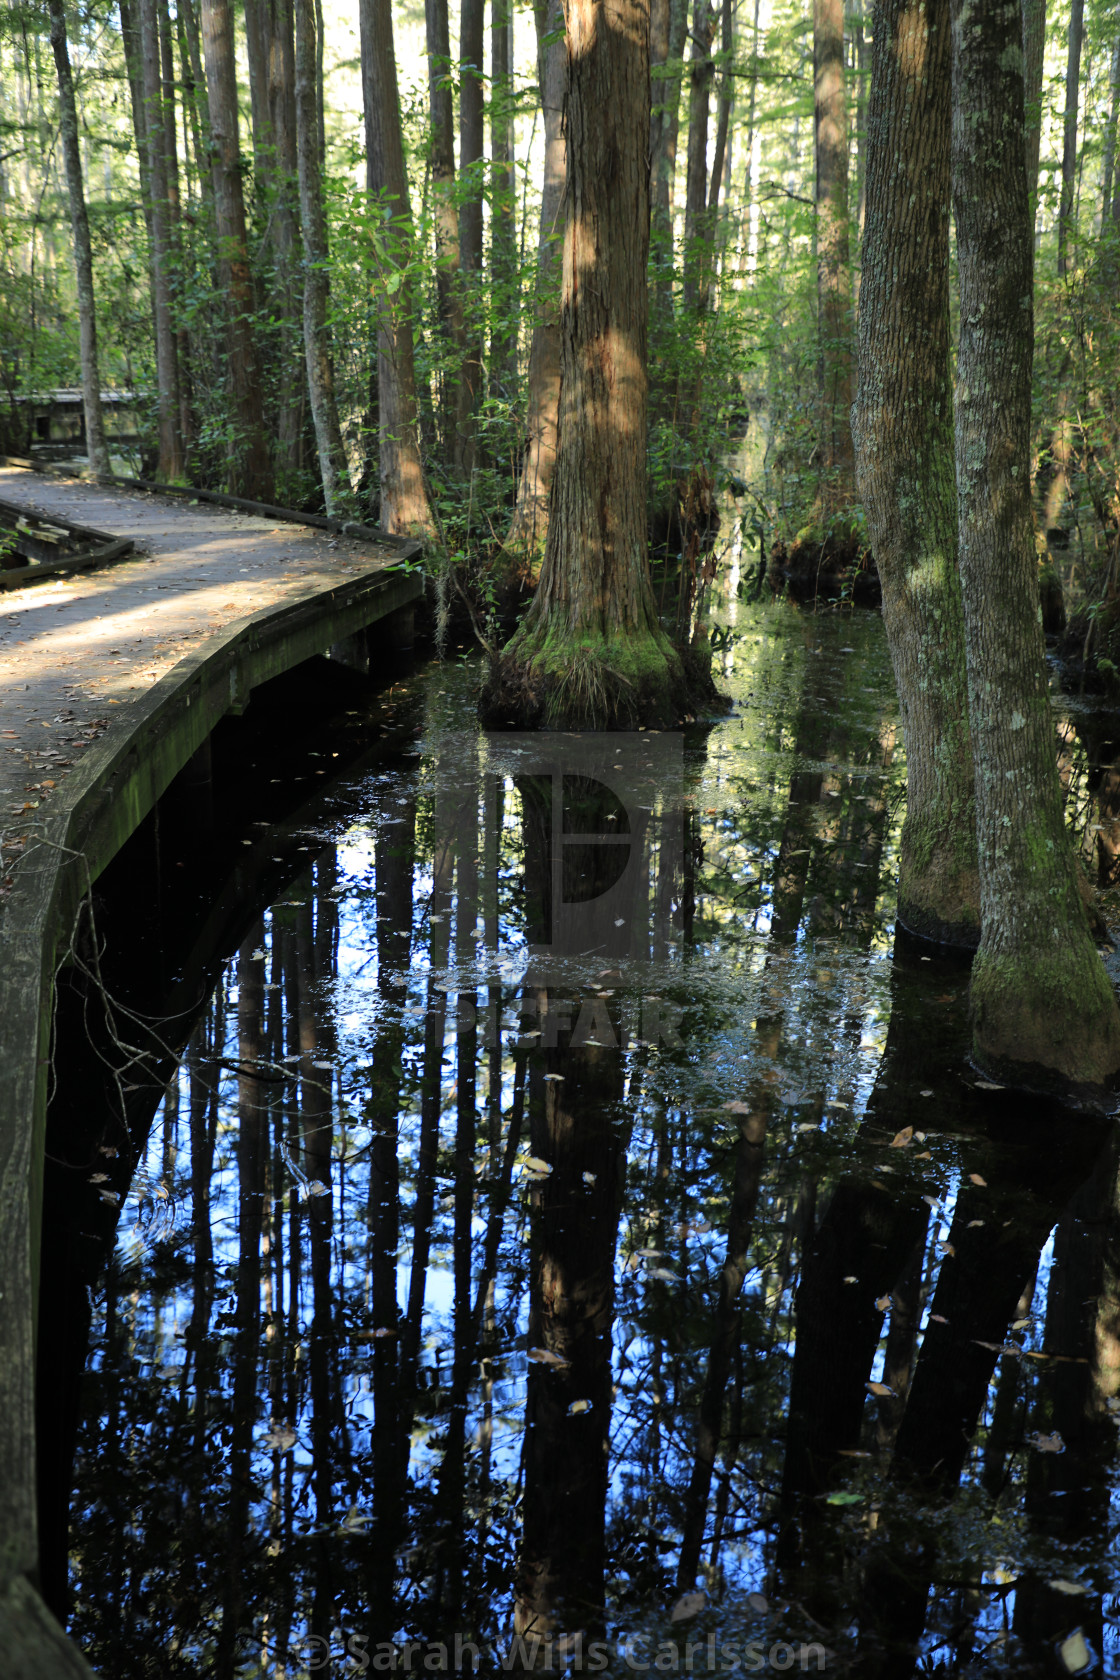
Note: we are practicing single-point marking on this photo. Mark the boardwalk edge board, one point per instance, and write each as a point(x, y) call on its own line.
point(100, 804)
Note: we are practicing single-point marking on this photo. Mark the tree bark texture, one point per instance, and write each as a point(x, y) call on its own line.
point(904, 457)
point(316, 284)
point(471, 103)
point(1034, 48)
point(83, 256)
point(503, 231)
point(834, 279)
point(529, 525)
point(590, 652)
point(1043, 1008)
point(1069, 136)
point(665, 127)
point(171, 462)
point(175, 219)
point(404, 499)
point(251, 468)
point(445, 209)
point(696, 229)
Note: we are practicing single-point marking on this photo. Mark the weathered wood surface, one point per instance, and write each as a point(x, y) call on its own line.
point(240, 608)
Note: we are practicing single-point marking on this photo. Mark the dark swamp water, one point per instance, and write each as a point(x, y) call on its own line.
point(571, 1221)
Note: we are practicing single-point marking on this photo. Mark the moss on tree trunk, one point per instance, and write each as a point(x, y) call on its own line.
point(591, 653)
point(1044, 1011)
point(904, 455)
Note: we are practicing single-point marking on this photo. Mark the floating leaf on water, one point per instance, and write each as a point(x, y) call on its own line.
point(945, 1247)
point(851, 1280)
point(578, 1406)
point(937, 1318)
point(257, 955)
point(545, 1356)
point(902, 1138)
point(852, 1452)
point(926, 1154)
point(589, 1178)
point(1047, 1443)
point(1021, 1324)
point(620, 921)
point(737, 1107)
point(845, 1499)
point(650, 1253)
point(661, 1272)
point(758, 1603)
point(881, 1390)
point(1072, 1589)
point(1075, 1653)
point(832, 1103)
point(926, 1093)
point(281, 1439)
point(974, 1224)
point(383, 1330)
point(688, 1606)
point(933, 1202)
point(988, 1085)
point(974, 1178)
point(807, 1126)
point(99, 1178)
point(537, 1167)
point(920, 1137)
point(882, 1303)
point(558, 1077)
point(317, 1188)
point(110, 1196)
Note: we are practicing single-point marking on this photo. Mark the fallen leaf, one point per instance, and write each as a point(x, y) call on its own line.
point(536, 1167)
point(851, 1280)
point(945, 1247)
point(937, 1318)
point(661, 1272)
point(933, 1202)
point(737, 1107)
point(1075, 1653)
point(99, 1178)
point(845, 1499)
point(926, 1155)
point(578, 1406)
point(974, 1178)
point(902, 1138)
point(1072, 1589)
point(650, 1253)
point(1047, 1443)
point(852, 1452)
point(559, 1077)
point(882, 1303)
point(110, 1196)
point(589, 1178)
point(974, 1224)
point(383, 1330)
point(545, 1356)
point(881, 1390)
point(987, 1085)
point(758, 1603)
point(688, 1606)
point(925, 1093)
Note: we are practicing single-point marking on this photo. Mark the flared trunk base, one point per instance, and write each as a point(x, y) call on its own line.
point(1048, 1023)
point(573, 681)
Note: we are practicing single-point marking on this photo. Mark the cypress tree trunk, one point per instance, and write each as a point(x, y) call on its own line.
point(175, 221)
point(250, 467)
point(316, 285)
point(503, 233)
point(446, 210)
point(167, 365)
point(834, 279)
point(590, 652)
point(665, 127)
point(696, 232)
point(904, 457)
point(83, 258)
point(1034, 48)
point(1069, 138)
point(404, 500)
point(471, 21)
point(1043, 1009)
point(529, 525)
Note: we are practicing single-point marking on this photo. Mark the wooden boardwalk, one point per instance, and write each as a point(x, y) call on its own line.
point(110, 682)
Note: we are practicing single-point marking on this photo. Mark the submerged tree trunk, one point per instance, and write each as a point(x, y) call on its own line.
point(1069, 137)
point(1043, 1008)
point(250, 467)
point(316, 285)
point(591, 653)
point(529, 525)
point(83, 259)
point(834, 279)
point(904, 455)
point(167, 370)
point(404, 499)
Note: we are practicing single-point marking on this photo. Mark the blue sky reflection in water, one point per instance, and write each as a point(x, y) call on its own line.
point(569, 1204)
